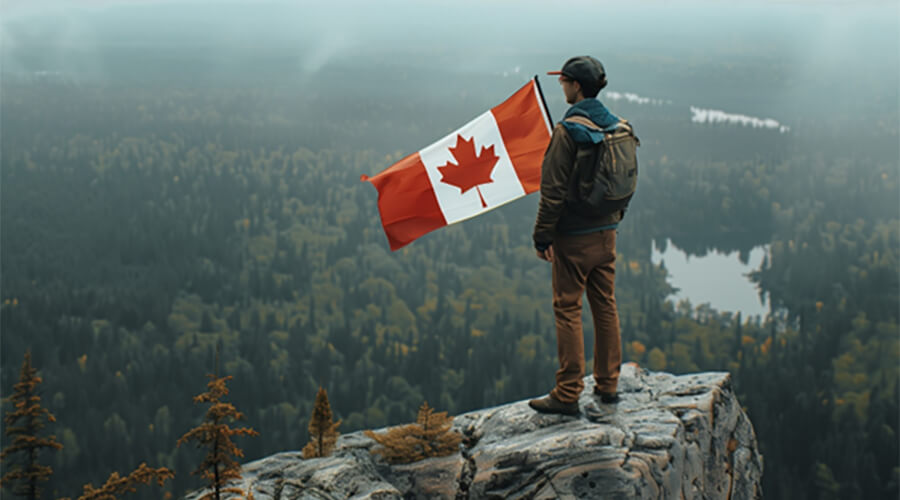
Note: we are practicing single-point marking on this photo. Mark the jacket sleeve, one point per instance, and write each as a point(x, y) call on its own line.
point(559, 160)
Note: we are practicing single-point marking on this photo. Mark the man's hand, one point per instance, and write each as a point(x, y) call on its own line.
point(546, 254)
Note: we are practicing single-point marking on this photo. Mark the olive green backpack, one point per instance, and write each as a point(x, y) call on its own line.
point(605, 175)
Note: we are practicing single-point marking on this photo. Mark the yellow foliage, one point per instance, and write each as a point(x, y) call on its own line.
point(116, 486)
point(747, 340)
point(766, 346)
point(429, 437)
point(429, 306)
point(82, 362)
point(819, 305)
point(860, 402)
point(638, 348)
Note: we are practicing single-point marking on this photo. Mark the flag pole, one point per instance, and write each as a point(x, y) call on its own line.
point(543, 101)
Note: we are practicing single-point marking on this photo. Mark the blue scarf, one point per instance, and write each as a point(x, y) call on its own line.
point(596, 112)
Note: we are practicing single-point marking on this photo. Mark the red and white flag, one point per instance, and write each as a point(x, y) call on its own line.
point(490, 161)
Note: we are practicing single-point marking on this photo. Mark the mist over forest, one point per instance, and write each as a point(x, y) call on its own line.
point(176, 176)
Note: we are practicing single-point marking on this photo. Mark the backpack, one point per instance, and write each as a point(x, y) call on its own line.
point(604, 177)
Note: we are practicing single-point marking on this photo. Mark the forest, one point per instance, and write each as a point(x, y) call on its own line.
point(146, 224)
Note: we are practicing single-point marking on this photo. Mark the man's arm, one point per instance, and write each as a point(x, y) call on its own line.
point(559, 160)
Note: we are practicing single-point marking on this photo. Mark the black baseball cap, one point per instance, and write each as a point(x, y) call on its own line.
point(585, 70)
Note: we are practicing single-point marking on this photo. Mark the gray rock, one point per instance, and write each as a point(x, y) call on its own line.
point(668, 437)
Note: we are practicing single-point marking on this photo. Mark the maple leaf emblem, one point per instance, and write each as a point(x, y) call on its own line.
point(472, 170)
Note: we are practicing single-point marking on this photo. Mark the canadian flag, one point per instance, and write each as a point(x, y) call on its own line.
point(490, 161)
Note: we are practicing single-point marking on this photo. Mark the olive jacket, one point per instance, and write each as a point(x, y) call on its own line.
point(554, 217)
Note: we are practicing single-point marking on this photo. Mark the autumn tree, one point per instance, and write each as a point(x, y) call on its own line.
point(116, 485)
point(23, 425)
point(322, 430)
point(214, 434)
point(430, 436)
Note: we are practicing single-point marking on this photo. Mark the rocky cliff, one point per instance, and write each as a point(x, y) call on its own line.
point(669, 437)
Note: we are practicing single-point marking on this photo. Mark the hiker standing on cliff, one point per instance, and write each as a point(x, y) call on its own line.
point(580, 244)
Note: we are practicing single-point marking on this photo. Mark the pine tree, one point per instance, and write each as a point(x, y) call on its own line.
point(26, 474)
point(116, 485)
point(436, 438)
point(322, 430)
point(429, 437)
point(214, 434)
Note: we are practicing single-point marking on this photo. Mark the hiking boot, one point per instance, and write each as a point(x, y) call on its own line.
point(549, 404)
point(606, 397)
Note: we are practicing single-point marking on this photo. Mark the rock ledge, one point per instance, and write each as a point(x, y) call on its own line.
point(668, 437)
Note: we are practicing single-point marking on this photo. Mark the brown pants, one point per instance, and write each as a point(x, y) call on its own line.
point(585, 262)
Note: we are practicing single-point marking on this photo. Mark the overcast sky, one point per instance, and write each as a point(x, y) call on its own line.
point(803, 43)
point(464, 21)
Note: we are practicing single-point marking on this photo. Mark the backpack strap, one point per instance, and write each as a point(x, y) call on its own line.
point(620, 125)
point(624, 125)
point(583, 121)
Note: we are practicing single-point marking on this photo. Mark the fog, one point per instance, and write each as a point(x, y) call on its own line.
point(766, 60)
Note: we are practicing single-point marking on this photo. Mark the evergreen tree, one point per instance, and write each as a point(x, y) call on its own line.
point(214, 434)
point(429, 437)
point(322, 430)
point(23, 425)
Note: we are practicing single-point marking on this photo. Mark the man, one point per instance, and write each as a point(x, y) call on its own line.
point(580, 246)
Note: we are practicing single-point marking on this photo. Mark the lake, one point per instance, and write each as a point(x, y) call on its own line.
point(718, 279)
